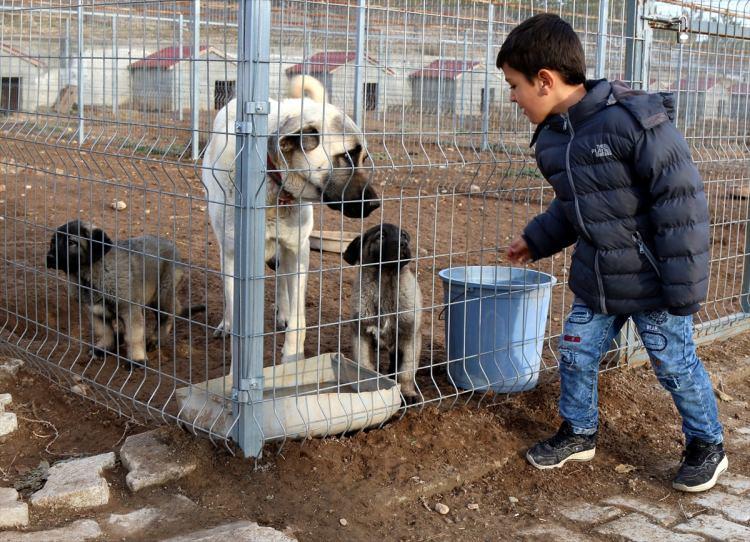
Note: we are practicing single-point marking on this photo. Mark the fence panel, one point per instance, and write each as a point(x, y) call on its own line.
point(123, 116)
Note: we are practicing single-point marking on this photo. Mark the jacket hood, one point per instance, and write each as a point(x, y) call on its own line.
point(649, 109)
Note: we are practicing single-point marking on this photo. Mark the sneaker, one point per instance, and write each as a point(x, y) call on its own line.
point(563, 447)
point(702, 464)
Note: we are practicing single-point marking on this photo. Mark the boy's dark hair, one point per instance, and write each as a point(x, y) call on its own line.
point(544, 41)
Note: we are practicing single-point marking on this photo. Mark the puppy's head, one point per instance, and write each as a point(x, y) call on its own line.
point(320, 154)
point(77, 244)
point(386, 245)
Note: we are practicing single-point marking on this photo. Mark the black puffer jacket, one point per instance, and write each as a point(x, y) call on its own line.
point(629, 193)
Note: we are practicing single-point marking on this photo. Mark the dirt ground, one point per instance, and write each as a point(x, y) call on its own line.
point(385, 482)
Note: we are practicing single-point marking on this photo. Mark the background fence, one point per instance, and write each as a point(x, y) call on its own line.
point(107, 111)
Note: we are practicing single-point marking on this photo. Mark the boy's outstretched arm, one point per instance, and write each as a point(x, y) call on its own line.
point(679, 216)
point(547, 234)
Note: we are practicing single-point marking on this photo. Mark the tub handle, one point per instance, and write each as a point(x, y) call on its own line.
point(441, 314)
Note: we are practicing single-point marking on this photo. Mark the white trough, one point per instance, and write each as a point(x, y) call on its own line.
point(319, 396)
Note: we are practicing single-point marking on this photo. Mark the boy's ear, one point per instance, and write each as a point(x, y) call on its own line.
point(546, 80)
point(352, 252)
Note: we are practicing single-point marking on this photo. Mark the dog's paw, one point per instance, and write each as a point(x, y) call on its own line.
point(132, 364)
point(410, 399)
point(152, 343)
point(98, 352)
point(224, 329)
point(292, 358)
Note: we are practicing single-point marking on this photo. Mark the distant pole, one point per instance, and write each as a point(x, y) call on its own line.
point(180, 44)
point(601, 38)
point(359, 64)
point(81, 137)
point(115, 65)
point(195, 83)
point(487, 62)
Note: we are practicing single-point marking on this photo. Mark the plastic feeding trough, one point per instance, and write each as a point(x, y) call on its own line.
point(494, 329)
point(319, 396)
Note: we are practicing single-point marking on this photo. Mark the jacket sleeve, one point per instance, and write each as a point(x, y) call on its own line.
point(678, 215)
point(549, 232)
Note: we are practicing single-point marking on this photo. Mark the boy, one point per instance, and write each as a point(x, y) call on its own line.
point(628, 194)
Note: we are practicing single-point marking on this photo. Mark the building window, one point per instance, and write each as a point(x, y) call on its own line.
point(223, 93)
point(371, 96)
point(10, 94)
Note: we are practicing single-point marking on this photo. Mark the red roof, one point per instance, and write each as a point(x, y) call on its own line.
point(445, 69)
point(165, 59)
point(323, 62)
point(20, 54)
point(699, 83)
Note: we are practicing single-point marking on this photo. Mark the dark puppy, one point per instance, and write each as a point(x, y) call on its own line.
point(117, 281)
point(387, 303)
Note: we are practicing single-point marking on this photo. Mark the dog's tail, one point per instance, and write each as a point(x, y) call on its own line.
point(188, 312)
point(306, 86)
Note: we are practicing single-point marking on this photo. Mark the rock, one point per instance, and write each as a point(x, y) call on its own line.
point(239, 531)
point(124, 525)
point(2, 188)
point(13, 513)
point(623, 468)
point(10, 367)
point(5, 400)
point(33, 479)
point(150, 460)
point(472, 506)
point(475, 188)
point(78, 531)
point(343, 522)
point(442, 509)
point(8, 423)
point(76, 484)
point(118, 205)
point(513, 500)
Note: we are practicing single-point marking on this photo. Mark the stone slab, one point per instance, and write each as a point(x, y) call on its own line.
point(239, 531)
point(637, 528)
point(151, 460)
point(734, 483)
point(8, 423)
point(10, 367)
point(78, 531)
point(133, 523)
point(716, 528)
point(590, 513)
point(5, 400)
point(664, 515)
point(547, 532)
point(732, 506)
point(76, 484)
point(13, 513)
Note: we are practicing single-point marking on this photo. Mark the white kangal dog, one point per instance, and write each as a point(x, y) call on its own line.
point(315, 154)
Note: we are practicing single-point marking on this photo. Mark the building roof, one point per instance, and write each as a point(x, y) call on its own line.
point(445, 69)
point(12, 51)
point(165, 58)
point(700, 83)
point(327, 62)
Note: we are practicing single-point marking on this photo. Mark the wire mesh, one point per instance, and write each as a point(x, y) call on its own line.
point(109, 116)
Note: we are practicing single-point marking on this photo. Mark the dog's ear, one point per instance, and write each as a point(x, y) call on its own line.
point(306, 140)
point(352, 252)
point(100, 244)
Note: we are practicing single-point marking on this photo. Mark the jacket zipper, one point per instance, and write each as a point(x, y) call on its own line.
point(643, 249)
point(567, 125)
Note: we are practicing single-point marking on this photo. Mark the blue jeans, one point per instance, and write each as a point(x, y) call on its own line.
point(668, 339)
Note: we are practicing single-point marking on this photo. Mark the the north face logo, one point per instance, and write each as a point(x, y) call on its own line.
point(601, 150)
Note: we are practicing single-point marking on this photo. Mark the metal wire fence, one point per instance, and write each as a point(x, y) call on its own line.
point(123, 116)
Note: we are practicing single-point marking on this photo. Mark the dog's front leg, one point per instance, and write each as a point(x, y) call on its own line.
point(364, 348)
point(104, 336)
point(294, 267)
point(135, 332)
point(410, 349)
point(227, 269)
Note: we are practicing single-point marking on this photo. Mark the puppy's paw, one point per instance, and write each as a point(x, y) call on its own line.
point(99, 352)
point(410, 400)
point(224, 329)
point(132, 364)
point(152, 344)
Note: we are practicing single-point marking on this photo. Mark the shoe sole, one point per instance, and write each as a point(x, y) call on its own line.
point(586, 455)
point(707, 485)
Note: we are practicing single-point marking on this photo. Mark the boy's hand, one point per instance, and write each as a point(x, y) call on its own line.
point(518, 251)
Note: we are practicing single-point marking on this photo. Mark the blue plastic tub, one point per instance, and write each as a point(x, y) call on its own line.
point(495, 322)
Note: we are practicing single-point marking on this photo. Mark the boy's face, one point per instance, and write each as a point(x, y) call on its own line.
point(532, 98)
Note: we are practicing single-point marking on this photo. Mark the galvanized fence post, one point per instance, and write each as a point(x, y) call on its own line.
point(638, 37)
point(250, 198)
point(488, 61)
point(359, 66)
point(195, 95)
point(601, 38)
